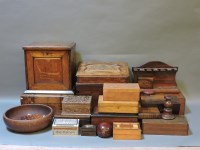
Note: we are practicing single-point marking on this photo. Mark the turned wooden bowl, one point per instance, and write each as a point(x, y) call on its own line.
point(28, 118)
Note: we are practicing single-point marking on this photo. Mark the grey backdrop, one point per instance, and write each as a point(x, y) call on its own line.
point(136, 31)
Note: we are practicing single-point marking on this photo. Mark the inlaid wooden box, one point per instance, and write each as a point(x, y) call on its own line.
point(73, 104)
point(97, 118)
point(121, 92)
point(126, 131)
point(50, 98)
point(177, 126)
point(67, 127)
point(103, 72)
point(117, 106)
point(49, 65)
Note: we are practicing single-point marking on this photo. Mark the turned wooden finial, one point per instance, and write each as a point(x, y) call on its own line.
point(167, 111)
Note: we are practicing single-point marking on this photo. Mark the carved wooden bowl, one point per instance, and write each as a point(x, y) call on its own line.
point(28, 118)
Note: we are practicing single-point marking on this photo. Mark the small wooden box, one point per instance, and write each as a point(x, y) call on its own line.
point(126, 131)
point(149, 112)
point(88, 130)
point(50, 98)
point(121, 92)
point(117, 106)
point(177, 126)
point(73, 104)
point(97, 118)
point(49, 65)
point(68, 127)
point(103, 72)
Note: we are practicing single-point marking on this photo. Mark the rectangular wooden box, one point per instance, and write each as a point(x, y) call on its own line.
point(49, 98)
point(88, 130)
point(178, 126)
point(149, 112)
point(126, 131)
point(49, 65)
point(73, 104)
point(103, 72)
point(97, 118)
point(117, 106)
point(69, 127)
point(121, 92)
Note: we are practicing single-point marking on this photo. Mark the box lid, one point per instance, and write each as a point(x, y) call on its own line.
point(126, 126)
point(77, 99)
point(103, 69)
point(50, 46)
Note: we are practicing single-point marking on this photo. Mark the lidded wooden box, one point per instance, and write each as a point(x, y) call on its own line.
point(73, 104)
point(121, 92)
point(103, 72)
point(126, 131)
point(49, 65)
point(62, 126)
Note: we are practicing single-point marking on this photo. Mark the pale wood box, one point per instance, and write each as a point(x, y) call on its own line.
point(117, 106)
point(121, 92)
point(126, 131)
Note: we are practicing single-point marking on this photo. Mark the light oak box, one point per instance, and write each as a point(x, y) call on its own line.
point(126, 131)
point(49, 65)
point(121, 92)
point(117, 106)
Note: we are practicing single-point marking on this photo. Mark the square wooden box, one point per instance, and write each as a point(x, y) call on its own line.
point(103, 72)
point(49, 65)
point(121, 92)
point(73, 104)
point(126, 131)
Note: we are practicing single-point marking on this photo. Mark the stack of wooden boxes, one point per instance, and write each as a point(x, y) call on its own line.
point(50, 68)
point(92, 75)
point(121, 98)
point(157, 80)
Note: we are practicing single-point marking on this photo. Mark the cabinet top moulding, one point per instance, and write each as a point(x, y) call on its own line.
point(49, 46)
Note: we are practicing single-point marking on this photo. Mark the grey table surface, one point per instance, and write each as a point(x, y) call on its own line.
point(45, 137)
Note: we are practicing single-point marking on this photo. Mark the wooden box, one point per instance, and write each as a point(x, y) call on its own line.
point(73, 104)
point(97, 118)
point(50, 98)
point(49, 65)
point(88, 130)
point(121, 92)
point(103, 72)
point(69, 127)
point(83, 118)
point(117, 106)
point(149, 112)
point(126, 131)
point(178, 126)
